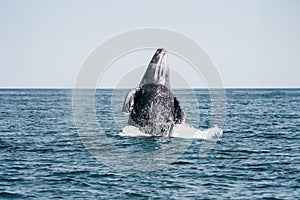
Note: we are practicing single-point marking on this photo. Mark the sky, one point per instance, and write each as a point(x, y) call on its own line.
point(253, 43)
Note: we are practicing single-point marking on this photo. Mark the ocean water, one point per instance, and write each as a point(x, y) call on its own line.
point(47, 153)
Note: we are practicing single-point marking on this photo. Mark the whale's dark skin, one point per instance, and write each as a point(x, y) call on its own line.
point(152, 106)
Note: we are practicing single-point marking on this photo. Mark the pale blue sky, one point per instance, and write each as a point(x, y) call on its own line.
point(253, 43)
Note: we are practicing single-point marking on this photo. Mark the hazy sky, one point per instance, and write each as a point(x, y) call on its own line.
point(253, 43)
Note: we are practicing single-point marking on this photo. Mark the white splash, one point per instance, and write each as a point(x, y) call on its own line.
point(179, 131)
point(132, 131)
point(187, 131)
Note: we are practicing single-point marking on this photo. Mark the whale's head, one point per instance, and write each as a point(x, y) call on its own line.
point(158, 69)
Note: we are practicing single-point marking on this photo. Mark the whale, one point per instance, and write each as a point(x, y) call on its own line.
point(152, 106)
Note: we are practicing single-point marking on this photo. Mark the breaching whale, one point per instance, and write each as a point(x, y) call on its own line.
point(152, 107)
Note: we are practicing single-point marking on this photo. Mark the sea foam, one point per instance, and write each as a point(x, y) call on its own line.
point(179, 131)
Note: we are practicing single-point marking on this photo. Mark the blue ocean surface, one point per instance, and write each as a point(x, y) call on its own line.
point(46, 154)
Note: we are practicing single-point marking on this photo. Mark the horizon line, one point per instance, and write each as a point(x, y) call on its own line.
point(106, 88)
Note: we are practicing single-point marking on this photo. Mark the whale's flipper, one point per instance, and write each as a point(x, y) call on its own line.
point(179, 113)
point(129, 100)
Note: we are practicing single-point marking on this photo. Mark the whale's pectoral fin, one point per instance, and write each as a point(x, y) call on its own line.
point(129, 100)
point(179, 113)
